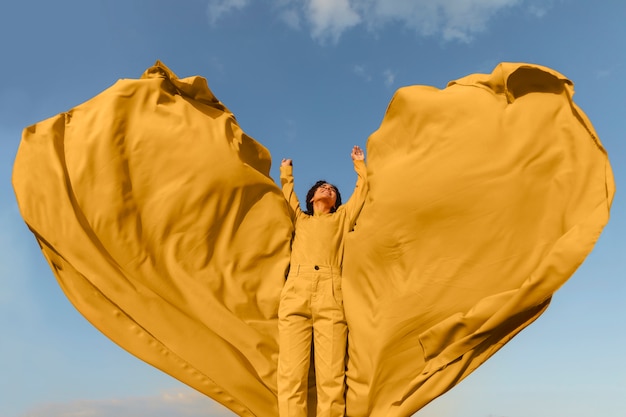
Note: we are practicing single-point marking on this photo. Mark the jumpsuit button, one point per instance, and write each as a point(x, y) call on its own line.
point(316, 267)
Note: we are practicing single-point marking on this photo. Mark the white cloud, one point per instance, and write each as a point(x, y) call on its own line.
point(217, 8)
point(537, 10)
point(389, 77)
point(362, 72)
point(180, 403)
point(450, 19)
point(327, 20)
point(290, 17)
point(330, 18)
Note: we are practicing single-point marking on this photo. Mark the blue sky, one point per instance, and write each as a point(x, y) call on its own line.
point(308, 79)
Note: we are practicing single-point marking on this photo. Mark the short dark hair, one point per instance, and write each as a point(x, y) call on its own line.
point(311, 193)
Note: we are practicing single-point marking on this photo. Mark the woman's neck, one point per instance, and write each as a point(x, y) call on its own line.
point(321, 207)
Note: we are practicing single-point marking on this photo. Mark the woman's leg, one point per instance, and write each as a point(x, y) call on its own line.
point(294, 338)
point(330, 337)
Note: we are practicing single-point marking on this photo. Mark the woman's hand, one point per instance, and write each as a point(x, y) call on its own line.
point(357, 154)
point(286, 162)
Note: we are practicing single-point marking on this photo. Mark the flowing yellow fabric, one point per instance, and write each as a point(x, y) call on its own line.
point(158, 217)
point(484, 199)
point(161, 223)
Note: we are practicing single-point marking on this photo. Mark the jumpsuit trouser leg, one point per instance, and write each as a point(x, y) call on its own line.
point(311, 308)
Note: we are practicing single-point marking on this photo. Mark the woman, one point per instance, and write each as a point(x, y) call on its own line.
point(311, 306)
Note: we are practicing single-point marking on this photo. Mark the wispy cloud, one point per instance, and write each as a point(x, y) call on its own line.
point(330, 18)
point(290, 17)
point(217, 8)
point(362, 72)
point(182, 403)
point(389, 77)
point(327, 20)
point(538, 10)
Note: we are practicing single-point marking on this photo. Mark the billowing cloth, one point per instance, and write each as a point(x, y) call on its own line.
point(161, 223)
point(484, 199)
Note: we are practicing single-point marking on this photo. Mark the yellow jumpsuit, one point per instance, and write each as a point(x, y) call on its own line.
point(311, 304)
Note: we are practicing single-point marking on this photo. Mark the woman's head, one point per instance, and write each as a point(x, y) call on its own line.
point(322, 189)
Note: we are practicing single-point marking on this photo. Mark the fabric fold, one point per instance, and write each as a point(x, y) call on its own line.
point(160, 221)
point(162, 225)
point(484, 199)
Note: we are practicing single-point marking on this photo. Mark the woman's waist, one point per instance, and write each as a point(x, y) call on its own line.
point(313, 268)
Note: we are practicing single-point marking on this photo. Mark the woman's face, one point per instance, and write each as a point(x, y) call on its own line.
point(325, 192)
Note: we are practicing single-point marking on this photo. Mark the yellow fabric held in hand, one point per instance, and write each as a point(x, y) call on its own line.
point(159, 219)
point(484, 199)
point(162, 225)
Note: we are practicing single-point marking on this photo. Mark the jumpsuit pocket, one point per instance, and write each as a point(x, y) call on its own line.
point(288, 285)
point(286, 295)
point(337, 294)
